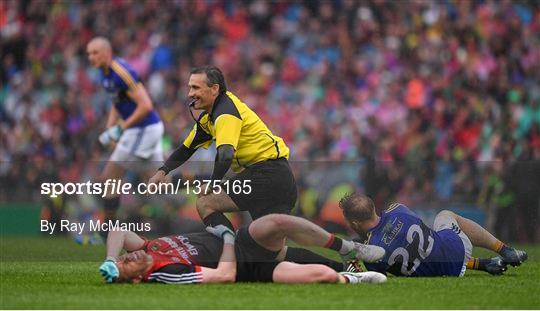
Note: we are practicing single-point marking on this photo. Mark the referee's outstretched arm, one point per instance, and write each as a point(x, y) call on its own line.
point(177, 158)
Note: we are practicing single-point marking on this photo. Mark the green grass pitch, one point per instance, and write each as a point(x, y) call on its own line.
point(56, 273)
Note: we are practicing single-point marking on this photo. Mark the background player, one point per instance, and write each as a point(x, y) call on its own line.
point(195, 257)
point(133, 126)
point(413, 249)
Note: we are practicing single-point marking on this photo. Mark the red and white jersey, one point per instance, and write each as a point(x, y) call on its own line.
point(178, 259)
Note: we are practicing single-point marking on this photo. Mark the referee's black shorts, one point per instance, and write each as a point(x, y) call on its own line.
point(273, 188)
point(254, 263)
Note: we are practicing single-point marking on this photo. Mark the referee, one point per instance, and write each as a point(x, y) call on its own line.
point(244, 144)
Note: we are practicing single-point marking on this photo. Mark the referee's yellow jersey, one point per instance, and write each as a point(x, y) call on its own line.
point(231, 122)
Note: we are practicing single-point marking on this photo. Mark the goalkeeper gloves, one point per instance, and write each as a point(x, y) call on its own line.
point(112, 133)
point(222, 232)
point(109, 270)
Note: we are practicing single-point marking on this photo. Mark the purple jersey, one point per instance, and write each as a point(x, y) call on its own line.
point(412, 248)
point(117, 80)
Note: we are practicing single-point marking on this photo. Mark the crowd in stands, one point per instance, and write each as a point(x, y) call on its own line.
point(430, 103)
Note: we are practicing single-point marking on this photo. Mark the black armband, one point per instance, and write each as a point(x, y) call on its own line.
point(177, 158)
point(224, 157)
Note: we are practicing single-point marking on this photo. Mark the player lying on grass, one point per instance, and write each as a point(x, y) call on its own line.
point(253, 255)
point(413, 249)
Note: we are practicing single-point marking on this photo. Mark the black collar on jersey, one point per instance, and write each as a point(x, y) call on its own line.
point(216, 102)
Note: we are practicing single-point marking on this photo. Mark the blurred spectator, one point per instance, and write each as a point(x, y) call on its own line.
point(424, 94)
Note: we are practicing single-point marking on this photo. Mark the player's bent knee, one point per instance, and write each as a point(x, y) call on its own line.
point(267, 228)
point(446, 213)
point(270, 221)
point(444, 220)
point(277, 220)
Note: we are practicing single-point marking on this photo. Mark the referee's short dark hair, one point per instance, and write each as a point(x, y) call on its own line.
point(213, 76)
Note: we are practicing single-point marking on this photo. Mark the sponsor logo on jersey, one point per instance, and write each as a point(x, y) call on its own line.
point(391, 230)
point(176, 245)
point(190, 248)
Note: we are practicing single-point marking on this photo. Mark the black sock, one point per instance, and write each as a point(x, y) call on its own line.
point(504, 249)
point(482, 263)
point(304, 256)
point(217, 218)
point(110, 207)
point(334, 243)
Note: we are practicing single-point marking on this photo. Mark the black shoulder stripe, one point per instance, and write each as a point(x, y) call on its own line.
point(200, 136)
point(225, 105)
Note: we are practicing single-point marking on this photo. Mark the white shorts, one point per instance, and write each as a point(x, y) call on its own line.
point(139, 143)
point(446, 221)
